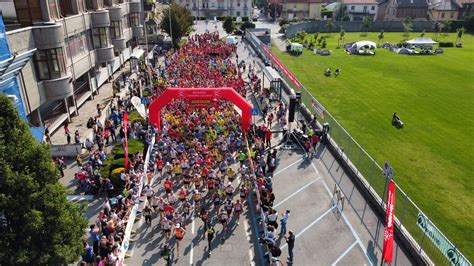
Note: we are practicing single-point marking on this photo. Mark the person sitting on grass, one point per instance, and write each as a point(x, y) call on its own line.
point(328, 72)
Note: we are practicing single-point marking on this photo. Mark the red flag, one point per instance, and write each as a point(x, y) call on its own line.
point(387, 252)
point(125, 142)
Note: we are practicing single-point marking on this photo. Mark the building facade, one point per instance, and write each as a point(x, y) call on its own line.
point(400, 9)
point(218, 8)
point(358, 9)
point(301, 9)
point(80, 44)
point(444, 10)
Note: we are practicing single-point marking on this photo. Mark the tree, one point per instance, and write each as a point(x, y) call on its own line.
point(342, 33)
point(228, 25)
point(381, 36)
point(460, 32)
point(329, 25)
point(181, 22)
point(422, 34)
point(275, 10)
point(39, 225)
point(446, 26)
point(247, 25)
point(437, 29)
point(407, 26)
point(366, 22)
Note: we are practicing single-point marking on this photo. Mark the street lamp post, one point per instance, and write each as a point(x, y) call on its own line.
point(171, 28)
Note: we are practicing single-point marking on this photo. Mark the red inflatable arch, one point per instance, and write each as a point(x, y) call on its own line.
point(197, 95)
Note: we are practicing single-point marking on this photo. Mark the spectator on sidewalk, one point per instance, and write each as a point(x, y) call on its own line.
point(290, 240)
point(284, 221)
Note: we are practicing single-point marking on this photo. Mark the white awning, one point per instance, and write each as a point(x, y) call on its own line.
point(138, 54)
point(272, 74)
point(10, 68)
point(422, 41)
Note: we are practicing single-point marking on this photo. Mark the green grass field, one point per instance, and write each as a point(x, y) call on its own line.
point(433, 155)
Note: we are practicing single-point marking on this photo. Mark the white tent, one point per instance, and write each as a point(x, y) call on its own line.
point(363, 47)
point(422, 41)
point(296, 46)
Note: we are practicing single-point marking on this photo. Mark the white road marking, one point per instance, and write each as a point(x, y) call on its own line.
point(310, 225)
point(191, 253)
point(345, 253)
point(294, 193)
point(279, 171)
point(346, 220)
point(246, 228)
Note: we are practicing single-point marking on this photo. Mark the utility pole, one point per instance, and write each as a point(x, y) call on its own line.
point(169, 15)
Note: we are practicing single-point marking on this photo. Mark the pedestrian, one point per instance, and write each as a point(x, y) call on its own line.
point(166, 226)
point(147, 213)
point(290, 240)
point(95, 235)
point(315, 140)
point(283, 222)
point(308, 148)
point(210, 236)
point(99, 111)
point(77, 137)
point(67, 131)
point(237, 210)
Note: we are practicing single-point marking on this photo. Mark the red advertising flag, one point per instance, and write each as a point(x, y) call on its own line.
point(387, 252)
point(125, 141)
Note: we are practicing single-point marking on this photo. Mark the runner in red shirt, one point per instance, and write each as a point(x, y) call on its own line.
point(168, 185)
point(315, 141)
point(169, 210)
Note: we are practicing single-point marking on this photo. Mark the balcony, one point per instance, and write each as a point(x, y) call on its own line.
point(105, 55)
point(57, 89)
point(135, 7)
point(100, 18)
point(137, 31)
point(119, 44)
point(47, 37)
point(117, 12)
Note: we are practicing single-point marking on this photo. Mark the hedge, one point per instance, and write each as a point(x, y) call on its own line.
point(446, 44)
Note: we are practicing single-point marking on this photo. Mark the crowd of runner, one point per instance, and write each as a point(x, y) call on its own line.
point(198, 154)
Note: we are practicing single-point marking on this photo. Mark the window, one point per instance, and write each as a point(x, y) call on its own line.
point(238, 13)
point(50, 63)
point(116, 29)
point(53, 9)
point(372, 8)
point(134, 19)
point(65, 7)
point(90, 4)
point(76, 44)
point(442, 14)
point(81, 6)
point(451, 15)
point(238, 3)
point(100, 37)
point(28, 11)
point(213, 4)
point(365, 9)
point(352, 8)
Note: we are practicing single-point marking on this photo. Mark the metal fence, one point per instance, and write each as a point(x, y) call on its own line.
point(409, 217)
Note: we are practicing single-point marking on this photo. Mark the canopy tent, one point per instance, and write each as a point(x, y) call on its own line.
point(362, 47)
point(421, 41)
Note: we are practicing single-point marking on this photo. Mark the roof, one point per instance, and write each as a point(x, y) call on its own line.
point(464, 2)
point(303, 1)
point(412, 3)
point(422, 41)
point(446, 6)
point(360, 2)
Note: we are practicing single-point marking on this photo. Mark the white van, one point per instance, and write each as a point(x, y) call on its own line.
point(231, 40)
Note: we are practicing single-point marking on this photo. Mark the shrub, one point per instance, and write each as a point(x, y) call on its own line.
point(245, 19)
point(283, 22)
point(446, 44)
point(134, 117)
point(247, 25)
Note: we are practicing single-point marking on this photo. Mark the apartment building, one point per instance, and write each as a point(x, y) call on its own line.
point(218, 8)
point(301, 9)
point(79, 45)
point(358, 9)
